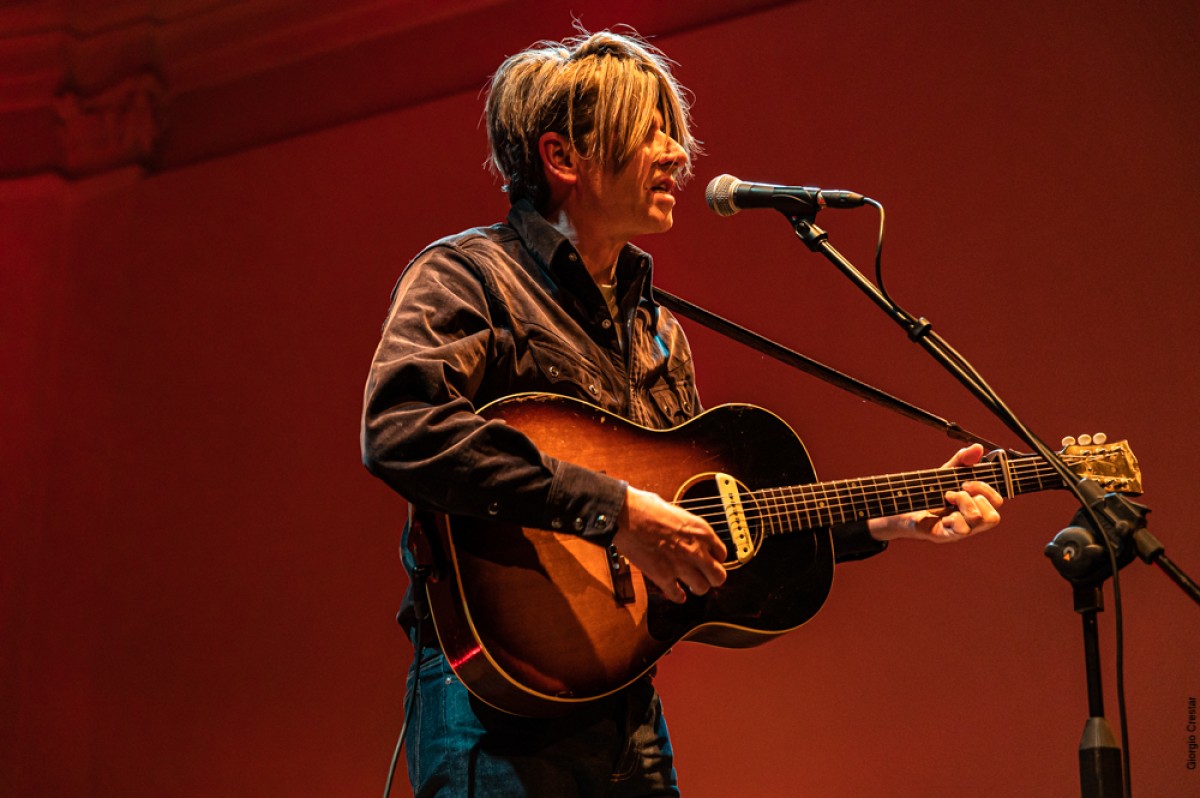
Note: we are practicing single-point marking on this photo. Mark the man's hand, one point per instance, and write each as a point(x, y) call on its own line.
point(670, 545)
point(969, 511)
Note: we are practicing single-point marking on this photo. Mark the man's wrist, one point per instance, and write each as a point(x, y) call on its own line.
point(891, 527)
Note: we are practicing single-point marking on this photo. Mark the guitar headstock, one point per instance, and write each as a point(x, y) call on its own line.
point(1111, 465)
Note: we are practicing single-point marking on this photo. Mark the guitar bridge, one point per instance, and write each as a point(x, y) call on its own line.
point(622, 577)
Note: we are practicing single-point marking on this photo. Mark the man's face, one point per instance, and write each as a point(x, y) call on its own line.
point(639, 199)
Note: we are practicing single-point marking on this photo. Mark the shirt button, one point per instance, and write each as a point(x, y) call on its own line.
point(572, 257)
point(595, 391)
point(601, 521)
point(579, 525)
point(556, 523)
point(493, 508)
point(606, 324)
point(554, 372)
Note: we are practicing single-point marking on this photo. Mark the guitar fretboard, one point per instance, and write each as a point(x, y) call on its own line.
point(821, 504)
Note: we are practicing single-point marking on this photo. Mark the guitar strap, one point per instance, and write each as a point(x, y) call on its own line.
point(815, 368)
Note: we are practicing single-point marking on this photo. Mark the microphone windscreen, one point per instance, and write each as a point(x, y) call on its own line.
point(719, 195)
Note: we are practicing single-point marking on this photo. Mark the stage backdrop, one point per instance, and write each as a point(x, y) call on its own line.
point(198, 579)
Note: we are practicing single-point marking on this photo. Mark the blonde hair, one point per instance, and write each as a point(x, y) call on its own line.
point(599, 90)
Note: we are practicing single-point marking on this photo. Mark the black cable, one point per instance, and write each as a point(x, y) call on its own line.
point(411, 700)
point(421, 612)
point(879, 249)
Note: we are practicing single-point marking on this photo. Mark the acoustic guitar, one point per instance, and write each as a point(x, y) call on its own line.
point(535, 621)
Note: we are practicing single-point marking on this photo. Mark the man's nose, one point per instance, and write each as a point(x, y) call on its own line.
point(674, 156)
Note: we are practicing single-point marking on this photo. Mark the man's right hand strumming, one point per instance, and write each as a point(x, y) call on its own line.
point(672, 547)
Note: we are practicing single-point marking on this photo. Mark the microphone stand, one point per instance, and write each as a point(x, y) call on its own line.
point(1120, 523)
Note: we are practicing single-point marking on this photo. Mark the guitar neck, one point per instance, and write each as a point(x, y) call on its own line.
point(822, 504)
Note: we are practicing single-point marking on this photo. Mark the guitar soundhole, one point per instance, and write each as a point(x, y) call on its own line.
point(702, 496)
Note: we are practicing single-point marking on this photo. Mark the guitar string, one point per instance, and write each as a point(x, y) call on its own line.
point(788, 512)
point(788, 505)
point(933, 478)
point(789, 501)
point(930, 477)
point(799, 516)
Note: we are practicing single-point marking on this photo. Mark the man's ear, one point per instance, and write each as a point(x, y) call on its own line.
point(560, 162)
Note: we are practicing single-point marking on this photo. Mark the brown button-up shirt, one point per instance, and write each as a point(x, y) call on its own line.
point(511, 309)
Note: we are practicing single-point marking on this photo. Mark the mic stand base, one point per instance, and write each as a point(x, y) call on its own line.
point(1099, 761)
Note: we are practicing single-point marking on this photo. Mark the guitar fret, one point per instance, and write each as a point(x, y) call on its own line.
point(900, 495)
point(836, 502)
point(994, 476)
point(806, 504)
point(951, 480)
point(784, 513)
point(825, 514)
point(796, 504)
point(932, 495)
point(803, 504)
point(772, 513)
point(808, 498)
point(858, 499)
point(766, 515)
point(877, 497)
point(787, 510)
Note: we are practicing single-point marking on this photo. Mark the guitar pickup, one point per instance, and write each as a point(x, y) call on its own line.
point(622, 577)
point(735, 518)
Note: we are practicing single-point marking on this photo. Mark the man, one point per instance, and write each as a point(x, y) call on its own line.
point(592, 137)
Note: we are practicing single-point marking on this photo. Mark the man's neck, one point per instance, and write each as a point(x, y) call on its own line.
point(598, 250)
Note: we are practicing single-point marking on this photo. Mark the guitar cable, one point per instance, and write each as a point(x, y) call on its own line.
point(421, 610)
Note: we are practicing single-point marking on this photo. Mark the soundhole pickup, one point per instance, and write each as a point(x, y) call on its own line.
point(735, 518)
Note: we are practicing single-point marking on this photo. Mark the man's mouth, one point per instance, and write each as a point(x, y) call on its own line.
point(664, 186)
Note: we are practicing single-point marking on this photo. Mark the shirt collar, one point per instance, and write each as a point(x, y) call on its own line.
point(553, 252)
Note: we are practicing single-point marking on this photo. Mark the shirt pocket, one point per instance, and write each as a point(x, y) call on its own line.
point(564, 372)
point(674, 395)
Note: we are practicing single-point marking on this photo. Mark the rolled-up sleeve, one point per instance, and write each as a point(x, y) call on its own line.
point(421, 434)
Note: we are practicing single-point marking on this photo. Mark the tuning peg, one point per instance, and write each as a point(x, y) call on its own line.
point(1099, 438)
point(1068, 441)
point(1084, 440)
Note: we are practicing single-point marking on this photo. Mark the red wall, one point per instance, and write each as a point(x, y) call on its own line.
point(198, 578)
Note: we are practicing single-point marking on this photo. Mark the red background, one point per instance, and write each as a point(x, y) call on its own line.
point(197, 578)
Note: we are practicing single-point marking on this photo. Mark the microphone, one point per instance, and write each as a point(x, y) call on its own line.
point(727, 195)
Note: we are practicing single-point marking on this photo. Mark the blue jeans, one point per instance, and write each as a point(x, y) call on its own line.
point(617, 747)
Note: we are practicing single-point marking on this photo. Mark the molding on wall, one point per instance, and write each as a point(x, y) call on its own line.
point(88, 87)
